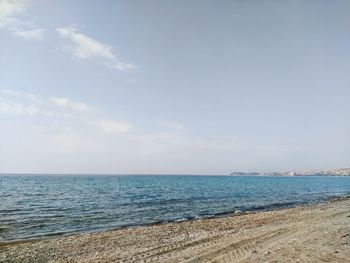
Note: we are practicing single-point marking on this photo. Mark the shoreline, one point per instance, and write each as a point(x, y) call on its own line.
point(258, 209)
point(257, 236)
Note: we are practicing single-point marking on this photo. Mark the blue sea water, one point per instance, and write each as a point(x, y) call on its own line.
point(36, 206)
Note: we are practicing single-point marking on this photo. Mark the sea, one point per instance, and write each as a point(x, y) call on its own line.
point(37, 206)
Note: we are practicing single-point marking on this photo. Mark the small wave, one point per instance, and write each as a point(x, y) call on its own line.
point(153, 200)
point(10, 210)
point(181, 219)
point(3, 229)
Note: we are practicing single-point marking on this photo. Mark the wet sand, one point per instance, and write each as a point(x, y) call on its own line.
point(319, 233)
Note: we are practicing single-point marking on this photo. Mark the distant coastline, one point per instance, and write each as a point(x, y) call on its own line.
point(331, 172)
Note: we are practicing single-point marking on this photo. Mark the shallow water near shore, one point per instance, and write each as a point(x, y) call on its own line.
point(36, 206)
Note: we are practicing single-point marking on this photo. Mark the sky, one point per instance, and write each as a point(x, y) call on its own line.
point(173, 87)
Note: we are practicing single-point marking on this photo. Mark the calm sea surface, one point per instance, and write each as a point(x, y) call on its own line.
point(35, 206)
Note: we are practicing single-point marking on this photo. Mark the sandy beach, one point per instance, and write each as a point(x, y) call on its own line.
point(319, 233)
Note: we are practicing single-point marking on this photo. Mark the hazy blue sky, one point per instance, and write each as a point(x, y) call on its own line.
point(174, 86)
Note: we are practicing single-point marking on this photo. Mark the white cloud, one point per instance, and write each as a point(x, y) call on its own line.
point(174, 125)
point(12, 107)
point(112, 126)
point(35, 34)
point(19, 108)
point(10, 92)
point(85, 47)
point(22, 103)
point(9, 10)
point(175, 140)
point(63, 110)
point(105, 145)
point(69, 104)
point(19, 103)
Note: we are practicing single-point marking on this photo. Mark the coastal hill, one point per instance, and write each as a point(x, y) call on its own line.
point(331, 172)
